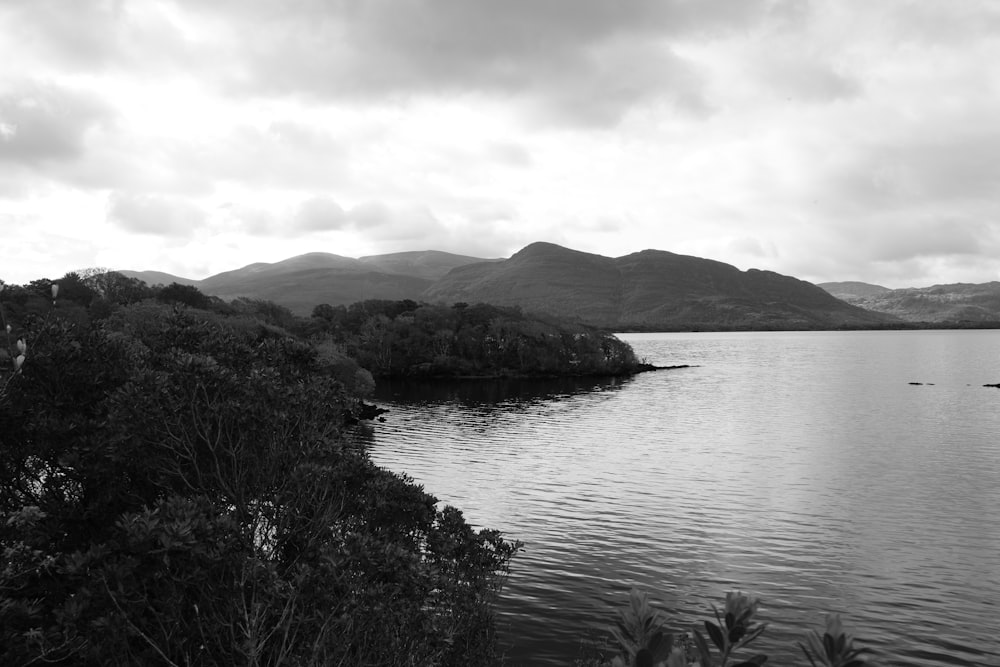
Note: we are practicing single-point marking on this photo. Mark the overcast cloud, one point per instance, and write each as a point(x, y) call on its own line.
point(826, 140)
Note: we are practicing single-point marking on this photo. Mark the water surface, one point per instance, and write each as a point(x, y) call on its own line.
point(804, 468)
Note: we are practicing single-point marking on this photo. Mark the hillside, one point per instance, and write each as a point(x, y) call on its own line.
point(158, 278)
point(542, 277)
point(652, 289)
point(960, 302)
point(302, 282)
point(430, 264)
point(853, 289)
point(301, 291)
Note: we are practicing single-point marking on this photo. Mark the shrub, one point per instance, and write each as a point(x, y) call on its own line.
point(642, 639)
point(177, 491)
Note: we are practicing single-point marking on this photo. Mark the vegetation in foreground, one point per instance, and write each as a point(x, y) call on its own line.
point(176, 489)
point(643, 640)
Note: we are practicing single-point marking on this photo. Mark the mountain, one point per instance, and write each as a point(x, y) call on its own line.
point(260, 271)
point(302, 282)
point(852, 289)
point(652, 289)
point(959, 302)
point(431, 264)
point(158, 278)
point(541, 277)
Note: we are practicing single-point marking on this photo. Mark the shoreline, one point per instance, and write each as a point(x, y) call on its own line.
point(641, 368)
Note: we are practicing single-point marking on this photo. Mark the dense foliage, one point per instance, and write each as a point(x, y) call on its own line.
point(176, 489)
point(405, 338)
point(641, 638)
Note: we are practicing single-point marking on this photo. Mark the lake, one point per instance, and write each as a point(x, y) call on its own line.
point(804, 468)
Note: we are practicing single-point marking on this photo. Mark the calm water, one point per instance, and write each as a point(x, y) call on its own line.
point(803, 468)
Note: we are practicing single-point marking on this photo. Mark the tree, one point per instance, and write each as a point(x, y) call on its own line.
point(175, 490)
point(116, 288)
point(268, 311)
point(398, 339)
point(188, 295)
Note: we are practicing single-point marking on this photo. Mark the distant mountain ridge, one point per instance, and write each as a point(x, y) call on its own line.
point(302, 282)
point(159, 278)
point(955, 303)
point(651, 289)
point(854, 289)
point(431, 264)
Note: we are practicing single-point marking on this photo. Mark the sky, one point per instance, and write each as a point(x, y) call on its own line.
point(829, 140)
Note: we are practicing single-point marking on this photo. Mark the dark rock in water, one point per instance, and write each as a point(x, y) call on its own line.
point(917, 383)
point(642, 368)
point(997, 385)
point(369, 411)
point(365, 411)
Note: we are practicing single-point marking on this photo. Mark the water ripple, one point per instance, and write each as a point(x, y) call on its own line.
point(800, 467)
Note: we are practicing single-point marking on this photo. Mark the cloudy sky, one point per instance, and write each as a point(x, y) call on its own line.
point(829, 140)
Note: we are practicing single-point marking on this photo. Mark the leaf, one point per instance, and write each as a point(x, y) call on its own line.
point(830, 646)
point(706, 656)
point(643, 658)
point(839, 644)
point(756, 632)
point(808, 654)
point(660, 645)
point(755, 661)
point(716, 634)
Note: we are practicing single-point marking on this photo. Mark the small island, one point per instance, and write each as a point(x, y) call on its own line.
point(406, 339)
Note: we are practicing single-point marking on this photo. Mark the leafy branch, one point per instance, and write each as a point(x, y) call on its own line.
point(643, 639)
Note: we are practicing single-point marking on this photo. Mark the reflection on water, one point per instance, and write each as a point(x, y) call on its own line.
point(800, 467)
point(500, 394)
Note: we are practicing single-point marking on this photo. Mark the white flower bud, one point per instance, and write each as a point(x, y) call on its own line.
point(22, 347)
point(18, 362)
point(55, 290)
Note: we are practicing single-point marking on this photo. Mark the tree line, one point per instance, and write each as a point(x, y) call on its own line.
point(406, 338)
point(177, 487)
point(388, 338)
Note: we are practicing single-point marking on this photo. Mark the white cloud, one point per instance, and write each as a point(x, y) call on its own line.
point(320, 214)
point(817, 139)
point(40, 123)
point(154, 214)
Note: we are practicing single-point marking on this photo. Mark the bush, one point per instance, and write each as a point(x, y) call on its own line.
point(178, 491)
point(404, 338)
point(642, 639)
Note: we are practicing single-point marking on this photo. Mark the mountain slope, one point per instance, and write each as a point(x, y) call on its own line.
point(261, 272)
point(542, 277)
point(302, 282)
point(158, 278)
point(432, 264)
point(940, 303)
point(853, 289)
point(652, 289)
